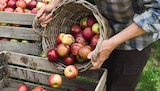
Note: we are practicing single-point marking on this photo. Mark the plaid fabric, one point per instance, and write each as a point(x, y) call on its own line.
point(121, 13)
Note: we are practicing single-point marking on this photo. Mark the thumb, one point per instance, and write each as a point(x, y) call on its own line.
point(90, 55)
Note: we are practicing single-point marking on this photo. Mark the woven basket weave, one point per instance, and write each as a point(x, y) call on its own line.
point(69, 12)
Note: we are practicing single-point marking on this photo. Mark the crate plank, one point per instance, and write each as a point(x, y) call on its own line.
point(16, 18)
point(19, 33)
point(30, 61)
point(28, 68)
point(29, 48)
point(1, 72)
point(13, 85)
point(42, 77)
point(44, 64)
point(24, 31)
point(1, 84)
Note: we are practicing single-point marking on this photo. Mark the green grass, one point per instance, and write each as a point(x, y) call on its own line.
point(150, 79)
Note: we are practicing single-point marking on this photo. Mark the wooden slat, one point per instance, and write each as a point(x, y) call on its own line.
point(15, 83)
point(17, 18)
point(1, 72)
point(1, 84)
point(29, 48)
point(19, 33)
point(42, 77)
point(30, 61)
point(44, 64)
point(102, 82)
point(33, 72)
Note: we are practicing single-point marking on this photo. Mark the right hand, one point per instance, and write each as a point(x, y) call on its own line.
point(44, 15)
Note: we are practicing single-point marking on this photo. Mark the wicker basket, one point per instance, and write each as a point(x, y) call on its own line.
point(65, 14)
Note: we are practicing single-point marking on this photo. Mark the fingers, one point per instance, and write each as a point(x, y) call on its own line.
point(90, 55)
point(45, 19)
point(96, 64)
point(40, 12)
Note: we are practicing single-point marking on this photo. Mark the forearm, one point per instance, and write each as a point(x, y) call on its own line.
point(128, 33)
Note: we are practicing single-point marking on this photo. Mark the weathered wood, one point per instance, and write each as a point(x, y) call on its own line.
point(19, 33)
point(30, 61)
point(16, 18)
point(1, 84)
point(25, 48)
point(42, 77)
point(15, 83)
point(43, 64)
point(25, 31)
point(29, 68)
point(1, 72)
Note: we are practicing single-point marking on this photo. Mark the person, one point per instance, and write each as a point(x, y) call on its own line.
point(135, 25)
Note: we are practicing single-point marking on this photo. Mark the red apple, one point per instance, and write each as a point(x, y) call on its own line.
point(3, 2)
point(9, 9)
point(4, 39)
point(63, 50)
point(68, 39)
point(21, 3)
point(38, 88)
point(23, 87)
point(11, 3)
point(71, 71)
point(88, 33)
point(52, 55)
point(75, 28)
point(81, 40)
point(96, 28)
point(83, 22)
point(27, 1)
point(44, 89)
point(2, 7)
point(79, 34)
point(59, 38)
point(84, 51)
point(32, 4)
point(19, 10)
point(75, 47)
point(94, 40)
point(92, 46)
point(69, 60)
point(34, 10)
point(55, 80)
point(90, 21)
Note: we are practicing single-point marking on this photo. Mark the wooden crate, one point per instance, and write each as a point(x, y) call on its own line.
point(25, 31)
point(17, 68)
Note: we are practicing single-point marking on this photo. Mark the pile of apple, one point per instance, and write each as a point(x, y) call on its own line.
point(75, 46)
point(22, 6)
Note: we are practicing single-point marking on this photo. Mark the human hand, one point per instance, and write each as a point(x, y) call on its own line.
point(104, 52)
point(44, 16)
